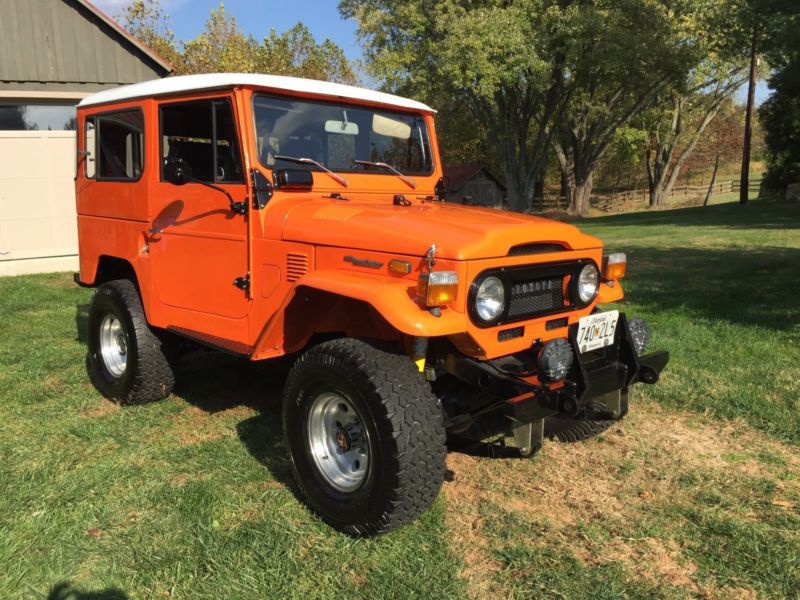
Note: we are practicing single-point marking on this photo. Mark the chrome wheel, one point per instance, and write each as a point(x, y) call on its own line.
point(113, 346)
point(339, 442)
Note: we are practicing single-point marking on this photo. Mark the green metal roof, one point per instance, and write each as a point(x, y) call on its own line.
point(69, 44)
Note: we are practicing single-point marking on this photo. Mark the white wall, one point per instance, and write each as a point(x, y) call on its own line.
point(38, 225)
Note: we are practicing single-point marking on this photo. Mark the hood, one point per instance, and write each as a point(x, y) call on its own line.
point(459, 232)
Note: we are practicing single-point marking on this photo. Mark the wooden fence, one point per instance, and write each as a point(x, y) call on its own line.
point(685, 195)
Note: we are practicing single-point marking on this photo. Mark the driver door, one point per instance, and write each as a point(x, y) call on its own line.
point(198, 246)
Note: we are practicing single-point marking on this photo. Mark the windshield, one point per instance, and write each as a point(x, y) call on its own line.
point(337, 135)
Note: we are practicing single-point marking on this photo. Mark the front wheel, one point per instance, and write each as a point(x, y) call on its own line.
point(365, 434)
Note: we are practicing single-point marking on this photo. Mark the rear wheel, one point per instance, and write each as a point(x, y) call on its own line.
point(126, 361)
point(365, 434)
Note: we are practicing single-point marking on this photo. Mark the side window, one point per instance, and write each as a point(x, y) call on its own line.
point(202, 133)
point(89, 140)
point(120, 146)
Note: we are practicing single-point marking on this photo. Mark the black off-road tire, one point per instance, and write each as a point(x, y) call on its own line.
point(148, 375)
point(402, 419)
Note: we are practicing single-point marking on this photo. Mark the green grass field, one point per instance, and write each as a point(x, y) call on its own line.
point(695, 494)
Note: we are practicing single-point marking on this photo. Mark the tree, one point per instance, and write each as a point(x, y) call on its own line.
point(502, 62)
point(146, 20)
point(680, 119)
point(295, 52)
point(624, 53)
point(533, 73)
point(223, 46)
point(780, 114)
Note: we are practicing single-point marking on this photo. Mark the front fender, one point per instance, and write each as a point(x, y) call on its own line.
point(393, 299)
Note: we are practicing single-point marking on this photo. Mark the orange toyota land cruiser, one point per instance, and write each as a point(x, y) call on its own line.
point(271, 216)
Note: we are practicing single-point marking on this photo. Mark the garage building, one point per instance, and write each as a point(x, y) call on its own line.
point(52, 54)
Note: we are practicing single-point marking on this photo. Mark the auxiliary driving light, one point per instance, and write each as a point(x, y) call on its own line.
point(640, 334)
point(555, 360)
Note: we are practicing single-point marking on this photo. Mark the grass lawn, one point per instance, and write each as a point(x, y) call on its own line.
point(696, 493)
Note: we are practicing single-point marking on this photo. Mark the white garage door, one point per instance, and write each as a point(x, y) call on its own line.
point(38, 229)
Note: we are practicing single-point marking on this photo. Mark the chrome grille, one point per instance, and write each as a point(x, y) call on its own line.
point(536, 295)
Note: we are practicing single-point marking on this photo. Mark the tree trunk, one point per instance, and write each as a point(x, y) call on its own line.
point(744, 182)
point(658, 197)
point(583, 193)
point(580, 191)
point(520, 193)
point(710, 191)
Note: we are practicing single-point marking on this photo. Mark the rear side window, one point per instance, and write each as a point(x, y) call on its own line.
point(202, 133)
point(89, 148)
point(119, 146)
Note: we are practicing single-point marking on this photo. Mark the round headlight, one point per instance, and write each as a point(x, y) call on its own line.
point(490, 299)
point(588, 282)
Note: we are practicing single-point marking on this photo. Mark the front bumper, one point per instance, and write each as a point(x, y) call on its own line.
point(598, 376)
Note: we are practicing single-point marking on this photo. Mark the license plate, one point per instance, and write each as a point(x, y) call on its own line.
point(597, 331)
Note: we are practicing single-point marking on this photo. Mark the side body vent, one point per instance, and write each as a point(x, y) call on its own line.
point(526, 249)
point(296, 265)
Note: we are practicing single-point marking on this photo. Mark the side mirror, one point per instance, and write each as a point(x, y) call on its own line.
point(294, 180)
point(177, 171)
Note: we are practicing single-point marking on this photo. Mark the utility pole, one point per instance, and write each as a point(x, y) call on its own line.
point(744, 181)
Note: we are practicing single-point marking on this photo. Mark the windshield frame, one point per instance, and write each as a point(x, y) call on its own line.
point(340, 103)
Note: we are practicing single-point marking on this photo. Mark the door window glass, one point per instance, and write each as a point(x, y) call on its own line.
point(203, 134)
point(120, 145)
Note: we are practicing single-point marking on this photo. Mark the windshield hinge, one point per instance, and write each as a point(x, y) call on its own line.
point(262, 189)
point(400, 200)
point(442, 188)
point(243, 283)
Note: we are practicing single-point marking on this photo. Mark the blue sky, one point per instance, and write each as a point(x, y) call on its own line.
point(187, 18)
point(257, 17)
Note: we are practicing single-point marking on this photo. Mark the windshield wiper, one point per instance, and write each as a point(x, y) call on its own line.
point(311, 161)
point(388, 167)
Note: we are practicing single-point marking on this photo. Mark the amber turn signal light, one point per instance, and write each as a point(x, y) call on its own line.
point(438, 288)
point(614, 266)
point(401, 267)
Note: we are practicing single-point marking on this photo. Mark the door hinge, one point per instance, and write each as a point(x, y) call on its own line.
point(240, 208)
point(243, 283)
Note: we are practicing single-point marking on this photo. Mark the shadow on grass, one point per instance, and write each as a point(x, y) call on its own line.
point(82, 322)
point(747, 286)
point(758, 214)
point(213, 382)
point(66, 591)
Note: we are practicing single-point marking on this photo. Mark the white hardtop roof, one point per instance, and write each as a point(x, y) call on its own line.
point(277, 83)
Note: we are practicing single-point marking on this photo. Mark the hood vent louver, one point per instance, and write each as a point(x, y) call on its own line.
point(537, 248)
point(296, 265)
